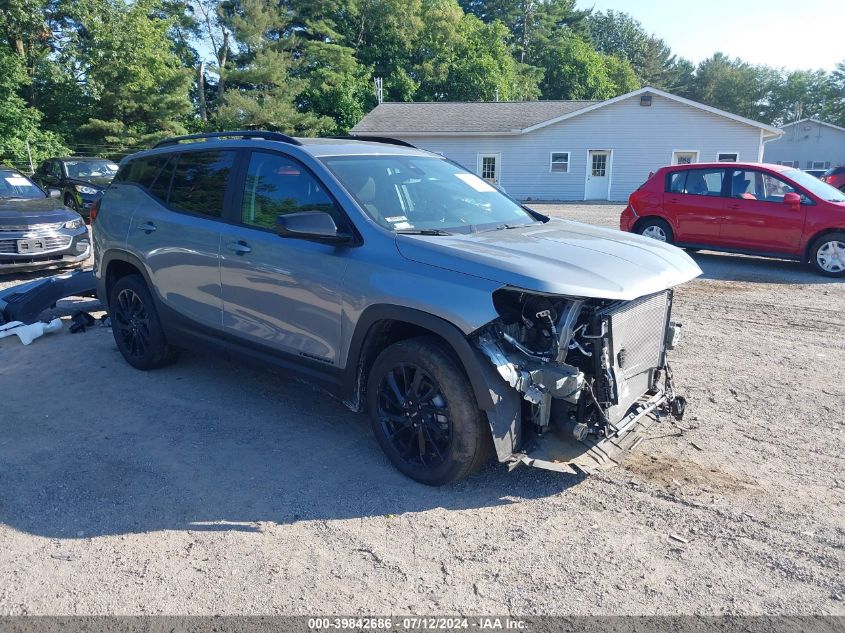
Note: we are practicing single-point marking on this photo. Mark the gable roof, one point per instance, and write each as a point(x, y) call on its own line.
point(505, 117)
point(500, 117)
point(812, 120)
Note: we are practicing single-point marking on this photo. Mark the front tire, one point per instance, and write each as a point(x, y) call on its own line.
point(424, 415)
point(657, 229)
point(135, 325)
point(828, 254)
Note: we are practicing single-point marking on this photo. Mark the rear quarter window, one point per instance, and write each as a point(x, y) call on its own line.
point(141, 171)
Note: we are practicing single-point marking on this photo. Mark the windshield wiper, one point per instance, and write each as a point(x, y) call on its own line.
point(423, 232)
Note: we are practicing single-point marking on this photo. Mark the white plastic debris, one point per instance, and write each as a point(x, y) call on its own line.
point(28, 333)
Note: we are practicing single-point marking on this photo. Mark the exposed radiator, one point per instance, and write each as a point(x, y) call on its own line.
point(636, 339)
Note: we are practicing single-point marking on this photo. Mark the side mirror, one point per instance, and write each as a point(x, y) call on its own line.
point(316, 226)
point(54, 193)
point(792, 199)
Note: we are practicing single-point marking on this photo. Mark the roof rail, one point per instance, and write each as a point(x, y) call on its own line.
point(374, 139)
point(269, 136)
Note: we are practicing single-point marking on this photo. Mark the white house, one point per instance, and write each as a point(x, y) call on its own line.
point(572, 150)
point(808, 144)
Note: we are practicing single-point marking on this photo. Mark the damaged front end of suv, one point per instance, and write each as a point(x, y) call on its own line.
point(577, 382)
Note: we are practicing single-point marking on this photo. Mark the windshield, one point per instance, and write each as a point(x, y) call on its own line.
point(421, 193)
point(15, 185)
point(814, 185)
point(90, 168)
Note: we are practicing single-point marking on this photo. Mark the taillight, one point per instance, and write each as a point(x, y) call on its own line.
point(95, 209)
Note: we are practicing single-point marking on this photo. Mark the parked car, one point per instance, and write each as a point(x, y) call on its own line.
point(835, 177)
point(409, 287)
point(36, 230)
point(759, 209)
point(816, 173)
point(79, 180)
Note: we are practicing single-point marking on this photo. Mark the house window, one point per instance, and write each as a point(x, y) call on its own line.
point(818, 164)
point(684, 157)
point(599, 169)
point(559, 162)
point(727, 157)
point(488, 167)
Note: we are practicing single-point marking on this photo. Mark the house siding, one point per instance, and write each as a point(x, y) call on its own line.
point(642, 140)
point(808, 141)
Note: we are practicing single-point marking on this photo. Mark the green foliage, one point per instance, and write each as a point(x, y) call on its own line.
point(20, 133)
point(109, 76)
point(617, 33)
point(574, 70)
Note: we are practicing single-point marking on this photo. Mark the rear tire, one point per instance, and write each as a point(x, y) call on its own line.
point(828, 254)
point(135, 325)
point(656, 229)
point(424, 415)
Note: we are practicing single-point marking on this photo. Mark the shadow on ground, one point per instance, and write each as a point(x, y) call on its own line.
point(204, 445)
point(730, 267)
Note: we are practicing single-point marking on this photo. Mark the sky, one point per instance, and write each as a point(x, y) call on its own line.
point(791, 34)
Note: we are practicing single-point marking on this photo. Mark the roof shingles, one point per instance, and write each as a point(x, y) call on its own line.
point(463, 116)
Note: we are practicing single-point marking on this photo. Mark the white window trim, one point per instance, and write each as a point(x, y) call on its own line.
point(480, 156)
point(718, 160)
point(684, 151)
point(551, 162)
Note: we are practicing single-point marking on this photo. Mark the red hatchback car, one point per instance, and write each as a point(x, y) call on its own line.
point(751, 208)
point(835, 177)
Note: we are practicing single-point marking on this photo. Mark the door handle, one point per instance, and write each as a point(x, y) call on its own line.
point(239, 248)
point(147, 227)
point(734, 206)
point(673, 200)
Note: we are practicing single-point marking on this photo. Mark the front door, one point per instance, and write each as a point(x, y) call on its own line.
point(279, 292)
point(489, 166)
point(598, 175)
point(755, 216)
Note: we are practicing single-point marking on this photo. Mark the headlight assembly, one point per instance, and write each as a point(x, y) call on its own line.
point(74, 224)
point(86, 190)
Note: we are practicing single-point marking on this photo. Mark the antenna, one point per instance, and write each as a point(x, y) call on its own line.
point(379, 90)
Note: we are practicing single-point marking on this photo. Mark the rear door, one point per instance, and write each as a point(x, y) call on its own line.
point(279, 292)
point(176, 231)
point(756, 217)
point(694, 203)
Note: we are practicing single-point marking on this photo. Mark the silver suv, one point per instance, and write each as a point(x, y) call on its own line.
point(464, 323)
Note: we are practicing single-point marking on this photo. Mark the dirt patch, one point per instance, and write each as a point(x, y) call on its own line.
point(673, 472)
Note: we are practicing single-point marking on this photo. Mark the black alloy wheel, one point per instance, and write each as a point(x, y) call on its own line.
point(135, 325)
point(415, 416)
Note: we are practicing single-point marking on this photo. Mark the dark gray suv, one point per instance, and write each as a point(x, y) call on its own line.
point(461, 321)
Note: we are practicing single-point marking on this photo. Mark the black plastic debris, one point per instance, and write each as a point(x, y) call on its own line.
point(81, 321)
point(25, 302)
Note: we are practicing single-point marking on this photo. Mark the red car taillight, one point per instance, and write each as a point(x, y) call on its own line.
point(95, 209)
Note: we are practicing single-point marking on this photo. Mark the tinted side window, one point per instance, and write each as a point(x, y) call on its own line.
point(676, 182)
point(276, 185)
point(704, 182)
point(142, 171)
point(160, 187)
point(199, 182)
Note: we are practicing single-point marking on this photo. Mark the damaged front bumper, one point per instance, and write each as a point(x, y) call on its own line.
point(577, 384)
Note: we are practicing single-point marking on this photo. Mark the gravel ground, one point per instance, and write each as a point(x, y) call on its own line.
point(210, 488)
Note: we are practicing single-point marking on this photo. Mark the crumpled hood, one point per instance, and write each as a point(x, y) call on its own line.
point(36, 210)
point(559, 257)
